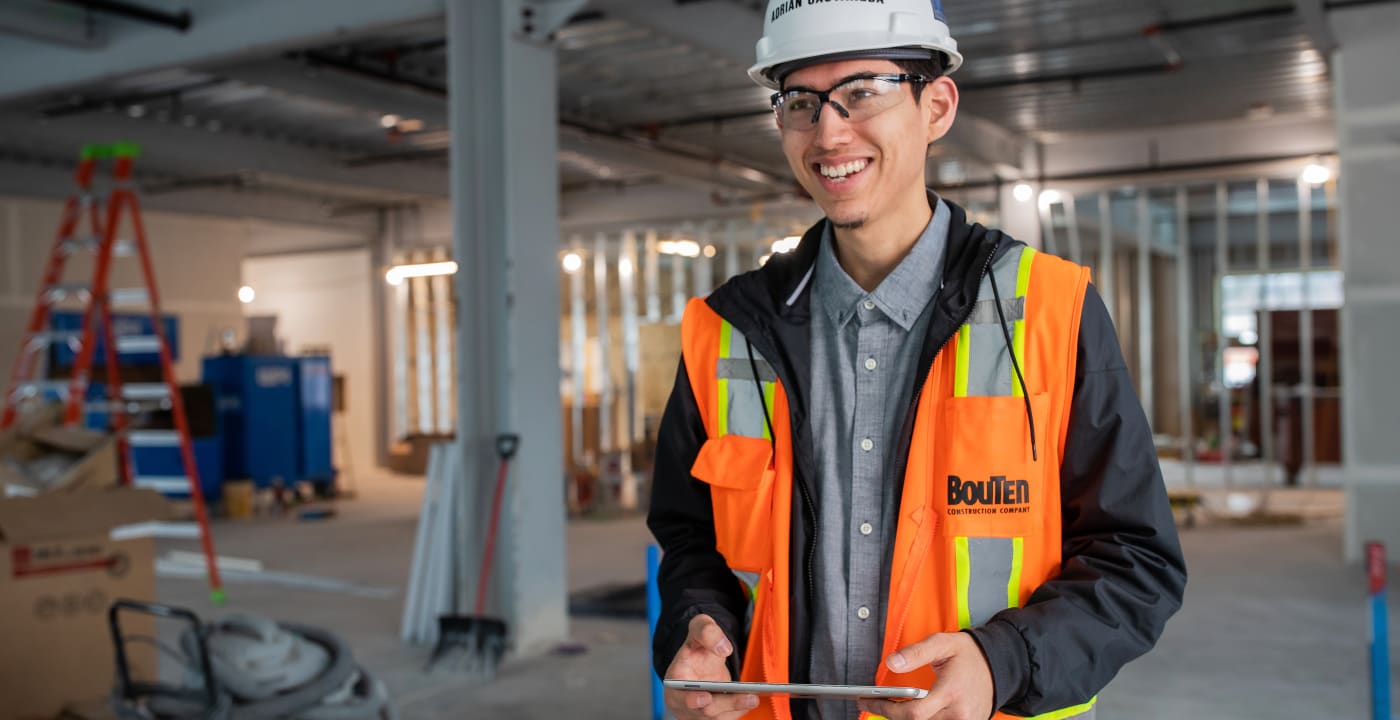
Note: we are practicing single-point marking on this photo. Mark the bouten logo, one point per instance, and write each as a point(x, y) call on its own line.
point(995, 495)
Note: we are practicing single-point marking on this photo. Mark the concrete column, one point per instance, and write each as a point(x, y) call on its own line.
point(1368, 118)
point(505, 212)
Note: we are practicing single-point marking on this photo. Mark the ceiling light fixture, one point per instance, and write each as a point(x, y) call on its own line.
point(1316, 174)
point(397, 273)
point(684, 248)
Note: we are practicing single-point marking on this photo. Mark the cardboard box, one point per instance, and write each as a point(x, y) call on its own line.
point(59, 573)
point(39, 456)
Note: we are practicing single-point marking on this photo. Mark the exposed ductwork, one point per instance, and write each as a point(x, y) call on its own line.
point(180, 20)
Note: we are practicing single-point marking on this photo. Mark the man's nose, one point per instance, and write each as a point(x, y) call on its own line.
point(833, 127)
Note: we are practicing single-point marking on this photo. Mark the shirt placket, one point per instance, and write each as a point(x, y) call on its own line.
point(867, 465)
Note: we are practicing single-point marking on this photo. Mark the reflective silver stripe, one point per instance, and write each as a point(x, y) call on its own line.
point(990, 561)
point(750, 581)
point(744, 407)
point(985, 312)
point(738, 368)
point(989, 361)
point(746, 410)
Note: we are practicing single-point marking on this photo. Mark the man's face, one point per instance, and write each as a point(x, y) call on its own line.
point(859, 172)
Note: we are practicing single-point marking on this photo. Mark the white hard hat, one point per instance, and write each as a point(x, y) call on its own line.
point(798, 30)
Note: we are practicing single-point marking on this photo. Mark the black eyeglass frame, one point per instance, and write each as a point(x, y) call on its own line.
point(824, 96)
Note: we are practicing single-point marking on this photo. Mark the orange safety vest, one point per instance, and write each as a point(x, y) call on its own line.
point(979, 519)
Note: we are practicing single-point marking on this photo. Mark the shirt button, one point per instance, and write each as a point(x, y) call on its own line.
point(863, 612)
point(867, 444)
point(870, 363)
point(869, 304)
point(866, 528)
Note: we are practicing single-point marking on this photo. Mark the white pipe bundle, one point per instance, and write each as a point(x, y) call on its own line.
point(431, 586)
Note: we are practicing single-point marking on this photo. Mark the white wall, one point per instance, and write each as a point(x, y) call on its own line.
point(323, 299)
point(196, 262)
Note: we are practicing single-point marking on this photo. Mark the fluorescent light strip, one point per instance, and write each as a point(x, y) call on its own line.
point(398, 273)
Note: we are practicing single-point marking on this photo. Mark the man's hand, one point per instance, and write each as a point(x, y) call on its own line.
point(963, 690)
point(702, 657)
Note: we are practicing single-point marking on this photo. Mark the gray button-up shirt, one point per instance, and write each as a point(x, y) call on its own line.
point(865, 353)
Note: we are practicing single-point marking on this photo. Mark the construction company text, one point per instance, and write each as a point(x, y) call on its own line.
point(996, 495)
point(784, 8)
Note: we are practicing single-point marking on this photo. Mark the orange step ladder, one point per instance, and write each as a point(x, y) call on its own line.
point(98, 298)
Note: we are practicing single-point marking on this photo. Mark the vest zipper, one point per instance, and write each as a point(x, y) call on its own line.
point(808, 504)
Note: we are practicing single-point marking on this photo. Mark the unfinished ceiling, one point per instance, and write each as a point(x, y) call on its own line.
point(650, 95)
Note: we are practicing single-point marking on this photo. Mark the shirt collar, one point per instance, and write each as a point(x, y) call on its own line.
point(903, 294)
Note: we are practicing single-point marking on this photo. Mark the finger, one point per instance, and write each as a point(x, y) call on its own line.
point(723, 705)
point(930, 651)
point(705, 634)
point(684, 705)
point(897, 710)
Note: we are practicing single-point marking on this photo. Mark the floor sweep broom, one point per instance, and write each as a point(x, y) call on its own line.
point(481, 638)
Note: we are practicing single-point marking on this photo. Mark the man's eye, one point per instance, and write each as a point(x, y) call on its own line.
point(801, 103)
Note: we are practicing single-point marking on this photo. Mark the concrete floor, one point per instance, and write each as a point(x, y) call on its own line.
point(1274, 625)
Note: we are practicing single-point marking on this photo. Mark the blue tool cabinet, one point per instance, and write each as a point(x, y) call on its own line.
point(275, 418)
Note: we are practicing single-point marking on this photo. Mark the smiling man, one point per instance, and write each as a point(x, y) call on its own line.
point(909, 452)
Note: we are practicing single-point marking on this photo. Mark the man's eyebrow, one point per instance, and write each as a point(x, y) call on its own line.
point(857, 76)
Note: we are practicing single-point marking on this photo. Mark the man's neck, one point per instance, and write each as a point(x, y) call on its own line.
point(872, 251)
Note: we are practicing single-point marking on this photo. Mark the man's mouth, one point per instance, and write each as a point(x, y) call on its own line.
point(839, 172)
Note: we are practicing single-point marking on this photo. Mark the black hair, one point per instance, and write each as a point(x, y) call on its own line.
point(934, 67)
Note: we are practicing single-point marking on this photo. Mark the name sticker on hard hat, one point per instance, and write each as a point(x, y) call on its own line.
point(784, 8)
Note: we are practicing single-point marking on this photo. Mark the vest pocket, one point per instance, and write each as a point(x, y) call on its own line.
point(740, 474)
point(985, 482)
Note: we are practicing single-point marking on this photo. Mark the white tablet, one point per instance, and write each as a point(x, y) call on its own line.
point(854, 692)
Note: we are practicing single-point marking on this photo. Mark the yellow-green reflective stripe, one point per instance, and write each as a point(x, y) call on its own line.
point(1013, 585)
point(725, 331)
point(768, 390)
point(963, 562)
point(1018, 346)
point(1018, 331)
point(964, 359)
point(1067, 712)
point(1023, 273)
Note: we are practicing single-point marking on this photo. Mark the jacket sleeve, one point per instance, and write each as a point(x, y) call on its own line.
point(693, 577)
point(1122, 574)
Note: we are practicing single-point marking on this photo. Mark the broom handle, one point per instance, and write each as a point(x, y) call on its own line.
point(505, 448)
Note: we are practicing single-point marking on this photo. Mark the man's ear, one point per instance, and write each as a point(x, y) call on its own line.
point(940, 99)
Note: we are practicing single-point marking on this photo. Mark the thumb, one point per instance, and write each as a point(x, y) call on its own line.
point(705, 634)
point(932, 650)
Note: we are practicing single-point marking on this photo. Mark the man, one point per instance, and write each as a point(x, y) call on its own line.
point(909, 452)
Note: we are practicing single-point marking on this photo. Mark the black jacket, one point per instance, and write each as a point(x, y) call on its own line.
point(1122, 574)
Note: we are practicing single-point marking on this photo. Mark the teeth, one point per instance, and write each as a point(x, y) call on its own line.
point(844, 169)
